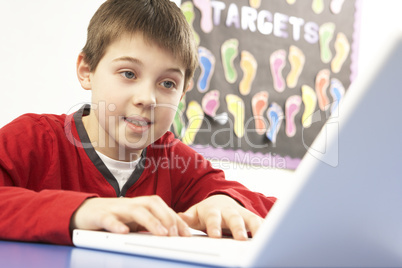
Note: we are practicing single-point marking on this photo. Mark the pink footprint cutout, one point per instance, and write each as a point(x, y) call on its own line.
point(259, 104)
point(321, 86)
point(210, 103)
point(206, 14)
point(292, 107)
point(277, 63)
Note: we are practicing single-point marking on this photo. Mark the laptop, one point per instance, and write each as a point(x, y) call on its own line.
point(344, 209)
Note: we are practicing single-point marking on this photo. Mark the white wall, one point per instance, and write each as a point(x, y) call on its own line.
point(40, 41)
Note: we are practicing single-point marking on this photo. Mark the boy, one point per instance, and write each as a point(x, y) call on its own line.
point(60, 172)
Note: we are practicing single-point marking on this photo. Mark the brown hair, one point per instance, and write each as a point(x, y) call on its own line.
point(160, 21)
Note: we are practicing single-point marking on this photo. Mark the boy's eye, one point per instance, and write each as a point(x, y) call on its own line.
point(168, 84)
point(128, 74)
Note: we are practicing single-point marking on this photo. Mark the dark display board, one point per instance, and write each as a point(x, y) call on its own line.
point(271, 73)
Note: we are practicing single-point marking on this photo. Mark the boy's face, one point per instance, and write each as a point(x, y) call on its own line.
point(136, 89)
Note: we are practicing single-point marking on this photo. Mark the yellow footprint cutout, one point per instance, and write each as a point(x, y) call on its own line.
point(310, 103)
point(255, 3)
point(342, 48)
point(291, 2)
point(326, 33)
point(318, 6)
point(236, 107)
point(249, 65)
point(188, 10)
point(297, 59)
point(195, 116)
point(229, 51)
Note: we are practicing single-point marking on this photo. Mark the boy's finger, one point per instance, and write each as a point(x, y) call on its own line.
point(213, 223)
point(253, 222)
point(235, 222)
point(145, 218)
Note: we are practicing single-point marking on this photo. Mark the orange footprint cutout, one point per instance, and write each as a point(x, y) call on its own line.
point(342, 48)
point(297, 59)
point(249, 65)
point(259, 104)
point(321, 86)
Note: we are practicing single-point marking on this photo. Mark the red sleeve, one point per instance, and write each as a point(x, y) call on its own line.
point(42, 216)
point(199, 180)
point(28, 212)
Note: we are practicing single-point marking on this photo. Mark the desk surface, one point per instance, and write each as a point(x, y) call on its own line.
point(20, 254)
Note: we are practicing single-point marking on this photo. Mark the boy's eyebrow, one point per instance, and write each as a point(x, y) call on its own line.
point(138, 62)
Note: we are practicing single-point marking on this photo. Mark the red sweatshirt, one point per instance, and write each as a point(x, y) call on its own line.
point(48, 167)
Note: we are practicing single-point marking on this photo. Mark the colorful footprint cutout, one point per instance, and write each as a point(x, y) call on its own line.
point(326, 33)
point(188, 10)
point(236, 107)
point(229, 51)
point(337, 91)
point(342, 48)
point(178, 122)
point(210, 103)
point(277, 63)
point(195, 116)
point(318, 6)
point(292, 108)
point(255, 3)
point(336, 6)
point(321, 86)
point(297, 59)
point(310, 102)
point(206, 14)
point(259, 104)
point(249, 65)
point(207, 65)
point(275, 118)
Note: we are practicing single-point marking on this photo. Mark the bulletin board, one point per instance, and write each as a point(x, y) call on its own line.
point(270, 75)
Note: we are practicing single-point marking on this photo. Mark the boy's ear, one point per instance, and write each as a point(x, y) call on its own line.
point(83, 72)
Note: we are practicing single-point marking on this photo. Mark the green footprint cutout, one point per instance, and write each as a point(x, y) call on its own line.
point(229, 51)
point(326, 33)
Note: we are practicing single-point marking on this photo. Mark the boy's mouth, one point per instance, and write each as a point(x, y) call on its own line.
point(138, 121)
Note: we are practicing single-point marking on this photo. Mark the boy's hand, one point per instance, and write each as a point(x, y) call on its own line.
point(121, 215)
point(220, 212)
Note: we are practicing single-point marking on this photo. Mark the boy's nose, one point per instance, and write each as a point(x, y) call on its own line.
point(145, 97)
